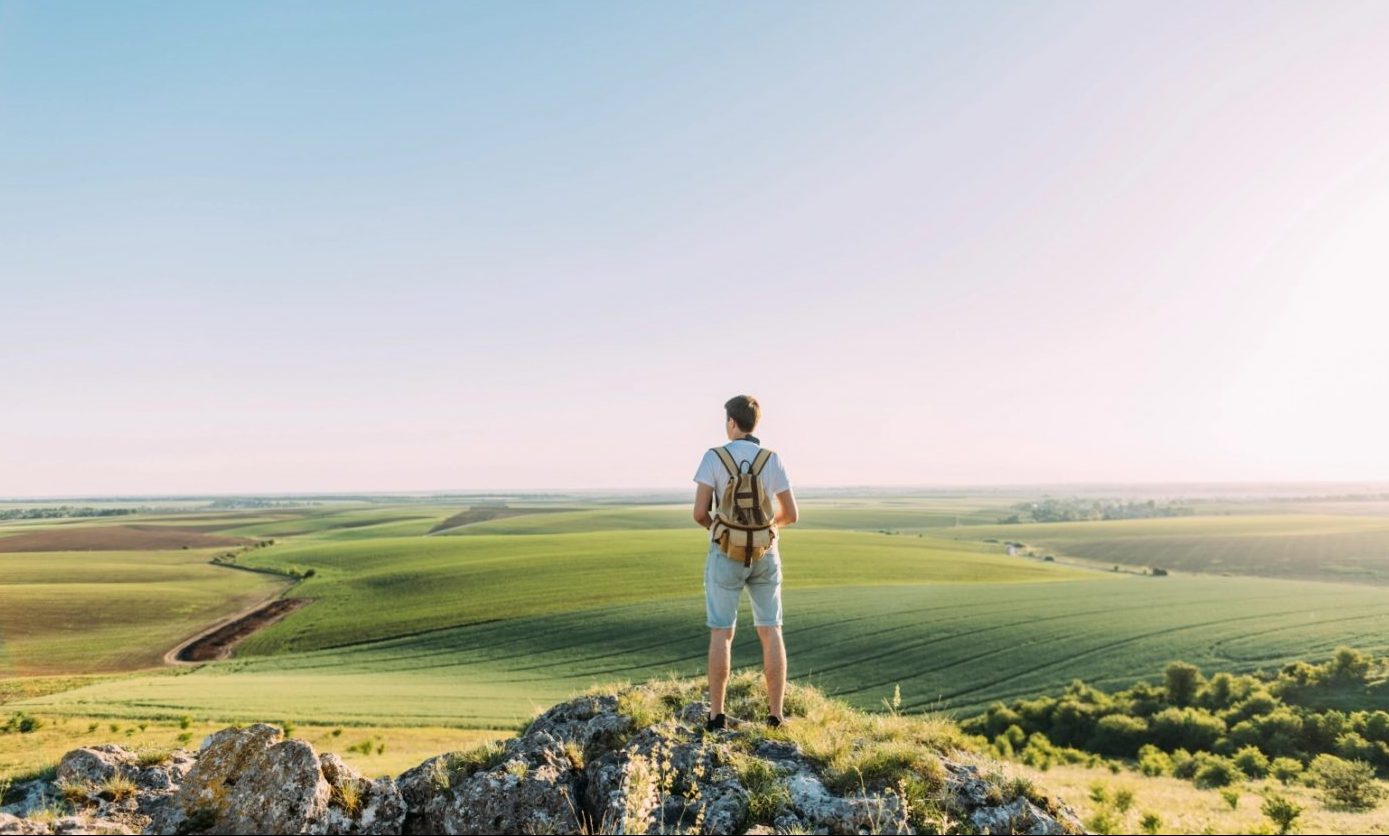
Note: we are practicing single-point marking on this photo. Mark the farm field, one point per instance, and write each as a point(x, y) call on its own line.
point(437, 582)
point(89, 611)
point(1299, 545)
point(479, 624)
point(951, 647)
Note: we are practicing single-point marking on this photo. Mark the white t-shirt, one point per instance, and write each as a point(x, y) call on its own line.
point(712, 472)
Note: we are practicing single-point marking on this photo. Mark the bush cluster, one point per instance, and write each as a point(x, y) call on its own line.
point(1214, 732)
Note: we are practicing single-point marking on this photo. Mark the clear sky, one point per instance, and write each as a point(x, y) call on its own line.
point(392, 246)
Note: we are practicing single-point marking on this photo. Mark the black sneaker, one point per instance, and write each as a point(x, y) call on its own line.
point(773, 721)
point(716, 723)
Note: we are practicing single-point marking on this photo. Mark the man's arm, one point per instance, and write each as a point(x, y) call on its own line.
point(704, 497)
point(786, 512)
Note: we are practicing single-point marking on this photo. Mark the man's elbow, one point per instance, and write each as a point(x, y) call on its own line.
point(703, 518)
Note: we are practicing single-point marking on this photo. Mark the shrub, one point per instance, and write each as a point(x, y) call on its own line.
point(1184, 765)
point(1346, 784)
point(1123, 799)
point(1099, 793)
point(1193, 729)
point(1119, 735)
point(1230, 796)
point(22, 723)
point(1150, 823)
point(1349, 665)
point(1215, 771)
point(1152, 761)
point(1286, 770)
point(1283, 812)
point(1102, 821)
point(1353, 747)
point(1251, 762)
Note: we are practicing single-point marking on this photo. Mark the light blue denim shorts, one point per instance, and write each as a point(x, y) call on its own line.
point(724, 580)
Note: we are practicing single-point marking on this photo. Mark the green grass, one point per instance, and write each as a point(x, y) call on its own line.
point(1311, 546)
point(377, 588)
point(82, 612)
point(338, 520)
point(480, 627)
point(905, 516)
point(951, 646)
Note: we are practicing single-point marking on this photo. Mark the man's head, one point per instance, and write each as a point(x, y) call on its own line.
point(743, 412)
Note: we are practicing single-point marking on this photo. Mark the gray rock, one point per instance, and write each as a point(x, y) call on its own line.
point(667, 779)
point(534, 789)
point(1018, 816)
point(90, 825)
point(591, 722)
point(15, 824)
point(580, 767)
point(424, 790)
point(357, 804)
point(95, 764)
point(248, 780)
point(30, 796)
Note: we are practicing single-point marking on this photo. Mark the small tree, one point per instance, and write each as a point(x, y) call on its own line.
point(1349, 664)
point(1150, 823)
point(1183, 681)
point(1347, 784)
point(1286, 770)
point(1252, 762)
point(1282, 811)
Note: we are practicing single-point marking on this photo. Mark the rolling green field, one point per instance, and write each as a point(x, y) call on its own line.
point(955, 647)
point(1299, 545)
point(63, 612)
point(370, 589)
point(477, 626)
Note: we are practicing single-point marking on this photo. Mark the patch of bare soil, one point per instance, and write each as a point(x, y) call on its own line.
point(218, 642)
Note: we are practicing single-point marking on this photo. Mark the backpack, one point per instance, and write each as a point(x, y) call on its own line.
point(743, 520)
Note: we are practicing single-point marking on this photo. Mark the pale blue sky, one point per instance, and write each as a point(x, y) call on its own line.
point(391, 246)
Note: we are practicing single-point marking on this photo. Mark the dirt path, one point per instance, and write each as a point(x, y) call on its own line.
point(218, 641)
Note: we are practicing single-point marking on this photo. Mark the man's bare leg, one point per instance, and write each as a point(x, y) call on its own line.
point(720, 658)
point(773, 667)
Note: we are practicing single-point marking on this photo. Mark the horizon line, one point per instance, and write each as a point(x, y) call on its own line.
point(456, 492)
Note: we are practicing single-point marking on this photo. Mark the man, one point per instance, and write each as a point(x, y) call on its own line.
point(724, 578)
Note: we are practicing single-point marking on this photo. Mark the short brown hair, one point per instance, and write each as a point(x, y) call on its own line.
point(744, 411)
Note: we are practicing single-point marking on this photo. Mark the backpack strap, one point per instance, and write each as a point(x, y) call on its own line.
point(727, 459)
point(758, 462)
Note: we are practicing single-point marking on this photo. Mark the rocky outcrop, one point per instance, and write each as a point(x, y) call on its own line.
point(584, 766)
